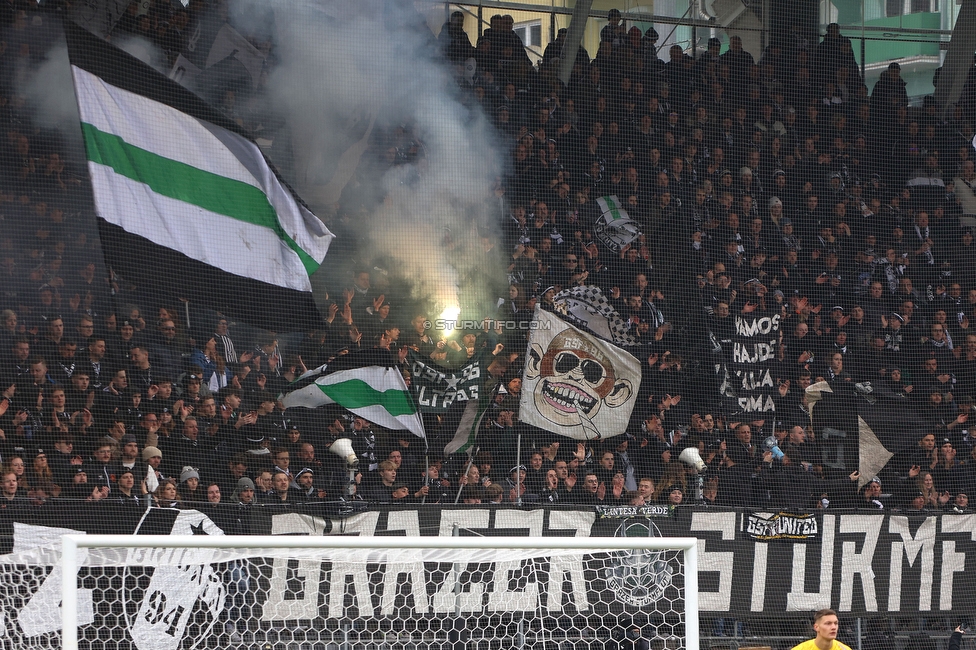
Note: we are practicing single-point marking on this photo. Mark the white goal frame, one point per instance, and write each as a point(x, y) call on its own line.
point(72, 543)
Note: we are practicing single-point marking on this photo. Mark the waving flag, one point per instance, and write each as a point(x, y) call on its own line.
point(377, 393)
point(187, 205)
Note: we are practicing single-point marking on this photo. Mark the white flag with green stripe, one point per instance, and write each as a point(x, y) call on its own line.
point(211, 201)
point(376, 393)
point(185, 202)
point(614, 227)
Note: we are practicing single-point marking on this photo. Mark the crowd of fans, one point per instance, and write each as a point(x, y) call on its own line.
point(781, 186)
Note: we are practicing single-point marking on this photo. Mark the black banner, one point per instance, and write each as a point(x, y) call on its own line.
point(435, 387)
point(753, 349)
point(750, 564)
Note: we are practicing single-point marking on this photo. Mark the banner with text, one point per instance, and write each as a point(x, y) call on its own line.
point(750, 563)
point(750, 359)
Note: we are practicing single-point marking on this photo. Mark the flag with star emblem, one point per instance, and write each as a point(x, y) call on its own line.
point(435, 387)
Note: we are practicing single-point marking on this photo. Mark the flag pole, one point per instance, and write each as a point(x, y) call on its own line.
point(518, 470)
point(466, 470)
point(426, 474)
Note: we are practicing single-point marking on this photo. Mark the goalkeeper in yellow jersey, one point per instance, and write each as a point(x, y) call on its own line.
point(825, 624)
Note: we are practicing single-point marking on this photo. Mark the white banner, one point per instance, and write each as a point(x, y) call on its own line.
point(575, 384)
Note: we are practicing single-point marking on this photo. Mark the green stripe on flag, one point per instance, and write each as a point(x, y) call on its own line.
point(613, 208)
point(356, 393)
point(176, 180)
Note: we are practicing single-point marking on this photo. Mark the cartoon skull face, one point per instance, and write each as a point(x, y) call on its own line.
point(575, 380)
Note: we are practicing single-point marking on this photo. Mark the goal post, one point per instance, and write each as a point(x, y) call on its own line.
point(612, 564)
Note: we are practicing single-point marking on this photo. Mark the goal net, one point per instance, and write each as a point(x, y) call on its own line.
point(358, 593)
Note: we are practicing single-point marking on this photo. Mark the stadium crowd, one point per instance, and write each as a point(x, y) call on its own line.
point(781, 186)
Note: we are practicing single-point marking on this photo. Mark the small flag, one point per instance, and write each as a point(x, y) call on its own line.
point(187, 205)
point(472, 414)
point(614, 227)
point(152, 481)
point(575, 384)
point(374, 392)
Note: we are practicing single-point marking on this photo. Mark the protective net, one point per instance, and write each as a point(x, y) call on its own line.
point(444, 598)
point(716, 255)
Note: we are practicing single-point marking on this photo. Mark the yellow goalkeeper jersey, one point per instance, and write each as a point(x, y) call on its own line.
point(811, 645)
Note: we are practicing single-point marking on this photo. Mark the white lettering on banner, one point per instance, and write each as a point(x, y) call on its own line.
point(170, 600)
point(922, 543)
point(436, 389)
point(753, 353)
point(503, 599)
point(850, 546)
point(363, 523)
point(799, 599)
point(42, 613)
point(571, 564)
point(953, 562)
point(406, 520)
point(853, 563)
point(715, 561)
point(751, 382)
point(764, 526)
point(294, 580)
point(445, 600)
point(411, 566)
point(442, 399)
point(358, 590)
point(409, 522)
point(754, 326)
point(757, 403)
point(759, 570)
point(177, 591)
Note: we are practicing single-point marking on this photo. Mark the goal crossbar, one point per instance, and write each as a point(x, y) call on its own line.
point(71, 544)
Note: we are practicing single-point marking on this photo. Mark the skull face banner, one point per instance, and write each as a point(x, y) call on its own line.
point(575, 384)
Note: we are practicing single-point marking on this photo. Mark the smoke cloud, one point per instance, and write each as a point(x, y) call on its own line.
point(349, 70)
point(48, 90)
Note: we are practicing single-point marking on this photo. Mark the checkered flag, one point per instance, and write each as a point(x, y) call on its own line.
point(588, 308)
